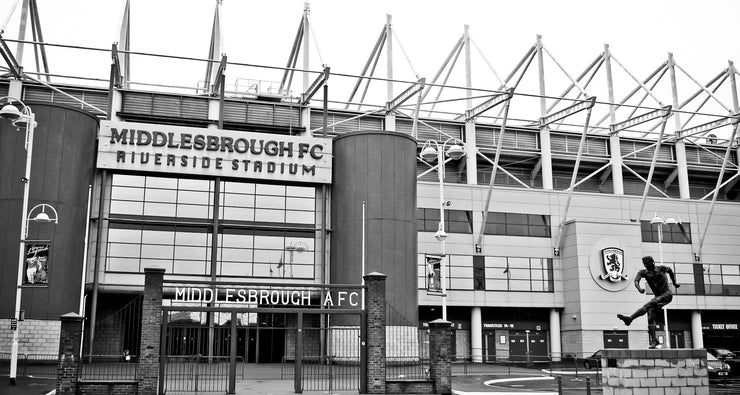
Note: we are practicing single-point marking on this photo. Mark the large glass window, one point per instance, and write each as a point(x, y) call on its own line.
point(515, 224)
point(456, 221)
point(495, 273)
point(182, 250)
point(264, 230)
point(676, 234)
point(268, 203)
point(161, 197)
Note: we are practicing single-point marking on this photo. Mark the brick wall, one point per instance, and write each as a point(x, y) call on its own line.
point(409, 387)
point(673, 371)
point(39, 337)
point(108, 388)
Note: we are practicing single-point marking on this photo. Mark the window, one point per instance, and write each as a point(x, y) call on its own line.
point(514, 224)
point(494, 273)
point(479, 273)
point(264, 230)
point(456, 221)
point(161, 197)
point(676, 234)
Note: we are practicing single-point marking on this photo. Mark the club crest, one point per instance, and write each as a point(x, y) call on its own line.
point(613, 261)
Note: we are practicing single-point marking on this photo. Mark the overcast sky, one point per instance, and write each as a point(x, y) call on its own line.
point(701, 35)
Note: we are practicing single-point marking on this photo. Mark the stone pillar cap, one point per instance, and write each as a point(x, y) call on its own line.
point(374, 274)
point(440, 323)
point(71, 316)
point(154, 269)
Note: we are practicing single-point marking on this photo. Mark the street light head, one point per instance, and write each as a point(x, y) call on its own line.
point(429, 154)
point(670, 221)
point(441, 235)
point(23, 122)
point(42, 217)
point(656, 220)
point(455, 152)
point(10, 112)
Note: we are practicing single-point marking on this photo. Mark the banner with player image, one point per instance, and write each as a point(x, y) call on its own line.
point(36, 268)
point(434, 279)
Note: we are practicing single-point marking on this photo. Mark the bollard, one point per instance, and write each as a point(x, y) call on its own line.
point(560, 385)
point(588, 385)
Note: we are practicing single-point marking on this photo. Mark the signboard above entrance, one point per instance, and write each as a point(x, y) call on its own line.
point(213, 152)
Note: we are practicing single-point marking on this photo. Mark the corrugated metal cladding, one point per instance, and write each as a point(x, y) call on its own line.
point(63, 167)
point(98, 99)
point(377, 168)
point(157, 104)
point(569, 143)
point(277, 114)
point(428, 130)
point(513, 138)
point(664, 155)
point(4, 88)
point(709, 156)
point(360, 123)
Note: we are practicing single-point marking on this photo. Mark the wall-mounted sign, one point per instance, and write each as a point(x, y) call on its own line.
point(612, 259)
point(36, 266)
point(213, 152)
point(265, 297)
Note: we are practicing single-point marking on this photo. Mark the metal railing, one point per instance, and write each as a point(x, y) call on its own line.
point(197, 373)
point(327, 373)
point(38, 365)
point(109, 367)
point(407, 368)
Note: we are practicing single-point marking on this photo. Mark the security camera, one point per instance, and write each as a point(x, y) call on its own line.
point(440, 235)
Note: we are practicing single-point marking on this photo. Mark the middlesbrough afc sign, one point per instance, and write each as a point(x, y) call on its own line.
point(613, 261)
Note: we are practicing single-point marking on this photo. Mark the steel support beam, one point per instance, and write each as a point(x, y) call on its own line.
point(317, 84)
point(640, 119)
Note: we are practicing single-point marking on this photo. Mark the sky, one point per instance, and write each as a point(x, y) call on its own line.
point(640, 35)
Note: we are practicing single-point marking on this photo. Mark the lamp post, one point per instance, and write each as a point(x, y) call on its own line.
point(668, 219)
point(432, 151)
point(292, 248)
point(24, 119)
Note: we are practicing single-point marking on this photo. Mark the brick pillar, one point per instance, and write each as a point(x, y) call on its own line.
point(151, 327)
point(70, 339)
point(375, 308)
point(440, 352)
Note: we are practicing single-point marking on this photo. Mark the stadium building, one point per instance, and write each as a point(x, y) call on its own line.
point(527, 236)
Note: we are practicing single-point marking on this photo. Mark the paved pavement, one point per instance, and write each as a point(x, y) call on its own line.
point(532, 382)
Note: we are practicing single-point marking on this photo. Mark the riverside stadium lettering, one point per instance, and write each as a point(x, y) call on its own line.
point(281, 297)
point(215, 152)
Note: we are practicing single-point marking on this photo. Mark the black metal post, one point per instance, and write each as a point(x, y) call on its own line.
point(232, 355)
point(298, 376)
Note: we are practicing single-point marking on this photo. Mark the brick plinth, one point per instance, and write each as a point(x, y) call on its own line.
point(440, 356)
point(70, 338)
point(375, 307)
point(674, 371)
point(151, 327)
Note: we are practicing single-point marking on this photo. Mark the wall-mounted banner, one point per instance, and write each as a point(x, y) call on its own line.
point(434, 278)
point(213, 152)
point(36, 268)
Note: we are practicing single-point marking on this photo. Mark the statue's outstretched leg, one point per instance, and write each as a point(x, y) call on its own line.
point(628, 320)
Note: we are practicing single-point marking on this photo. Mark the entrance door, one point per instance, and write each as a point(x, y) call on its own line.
point(527, 345)
point(489, 346)
point(677, 339)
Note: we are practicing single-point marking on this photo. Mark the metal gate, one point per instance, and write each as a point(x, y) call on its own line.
point(208, 347)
